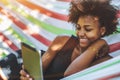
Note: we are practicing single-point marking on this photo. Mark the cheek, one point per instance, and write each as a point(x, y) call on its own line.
point(93, 36)
point(77, 33)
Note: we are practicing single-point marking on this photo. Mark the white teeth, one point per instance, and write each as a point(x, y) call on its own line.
point(83, 40)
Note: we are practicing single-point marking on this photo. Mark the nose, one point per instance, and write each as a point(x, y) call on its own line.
point(81, 33)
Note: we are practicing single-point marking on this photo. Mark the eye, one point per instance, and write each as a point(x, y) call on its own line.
point(78, 27)
point(88, 29)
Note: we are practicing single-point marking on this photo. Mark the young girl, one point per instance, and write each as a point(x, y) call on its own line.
point(66, 55)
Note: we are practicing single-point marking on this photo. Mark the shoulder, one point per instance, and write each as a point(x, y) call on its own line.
point(65, 38)
point(60, 41)
point(62, 37)
point(104, 50)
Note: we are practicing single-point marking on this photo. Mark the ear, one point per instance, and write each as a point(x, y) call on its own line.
point(102, 31)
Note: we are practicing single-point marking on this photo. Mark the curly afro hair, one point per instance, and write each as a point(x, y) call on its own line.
point(102, 9)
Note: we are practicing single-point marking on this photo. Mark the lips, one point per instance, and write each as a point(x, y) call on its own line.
point(84, 41)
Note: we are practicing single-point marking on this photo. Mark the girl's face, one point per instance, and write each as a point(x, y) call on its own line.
point(88, 30)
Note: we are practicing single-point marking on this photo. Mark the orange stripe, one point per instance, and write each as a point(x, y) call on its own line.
point(24, 28)
point(48, 12)
point(113, 47)
point(44, 10)
point(6, 40)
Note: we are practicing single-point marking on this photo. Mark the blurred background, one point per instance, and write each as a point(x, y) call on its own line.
point(37, 23)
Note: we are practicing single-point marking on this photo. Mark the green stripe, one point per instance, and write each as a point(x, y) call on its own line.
point(3, 55)
point(118, 28)
point(49, 27)
point(18, 36)
point(94, 70)
point(46, 26)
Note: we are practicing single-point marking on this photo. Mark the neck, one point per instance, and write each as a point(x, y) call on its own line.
point(81, 49)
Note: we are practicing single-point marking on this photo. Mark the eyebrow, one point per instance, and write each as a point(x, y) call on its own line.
point(87, 25)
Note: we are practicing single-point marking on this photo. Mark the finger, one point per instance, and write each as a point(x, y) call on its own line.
point(23, 73)
point(25, 78)
point(22, 66)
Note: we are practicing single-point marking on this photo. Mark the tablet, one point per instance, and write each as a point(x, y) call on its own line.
point(32, 61)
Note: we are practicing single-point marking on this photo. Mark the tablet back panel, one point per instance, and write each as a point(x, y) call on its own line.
point(32, 61)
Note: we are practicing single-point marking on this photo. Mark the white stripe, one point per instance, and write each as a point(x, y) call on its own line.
point(35, 42)
point(98, 73)
point(33, 27)
point(6, 47)
point(101, 73)
point(44, 18)
point(114, 38)
point(12, 38)
point(115, 53)
point(59, 7)
point(8, 34)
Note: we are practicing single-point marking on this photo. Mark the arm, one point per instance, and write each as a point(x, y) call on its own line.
point(55, 46)
point(48, 56)
point(84, 60)
point(102, 56)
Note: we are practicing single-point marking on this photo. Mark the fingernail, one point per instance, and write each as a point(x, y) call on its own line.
point(30, 79)
point(27, 75)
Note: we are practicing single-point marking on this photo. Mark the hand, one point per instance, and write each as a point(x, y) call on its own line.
point(24, 75)
point(103, 51)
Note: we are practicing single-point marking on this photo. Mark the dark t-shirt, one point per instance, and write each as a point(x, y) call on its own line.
point(62, 60)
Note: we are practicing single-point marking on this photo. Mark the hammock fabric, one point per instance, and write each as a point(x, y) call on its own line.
point(32, 22)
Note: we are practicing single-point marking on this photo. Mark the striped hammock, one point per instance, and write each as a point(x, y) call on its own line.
point(37, 23)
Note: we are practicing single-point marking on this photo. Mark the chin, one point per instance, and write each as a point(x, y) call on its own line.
point(83, 46)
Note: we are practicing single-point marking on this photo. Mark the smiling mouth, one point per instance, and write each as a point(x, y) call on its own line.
point(83, 40)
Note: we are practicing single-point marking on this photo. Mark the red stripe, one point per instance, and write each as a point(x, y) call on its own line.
point(8, 42)
point(41, 39)
point(114, 47)
point(118, 15)
point(24, 27)
point(48, 12)
point(44, 10)
point(109, 77)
